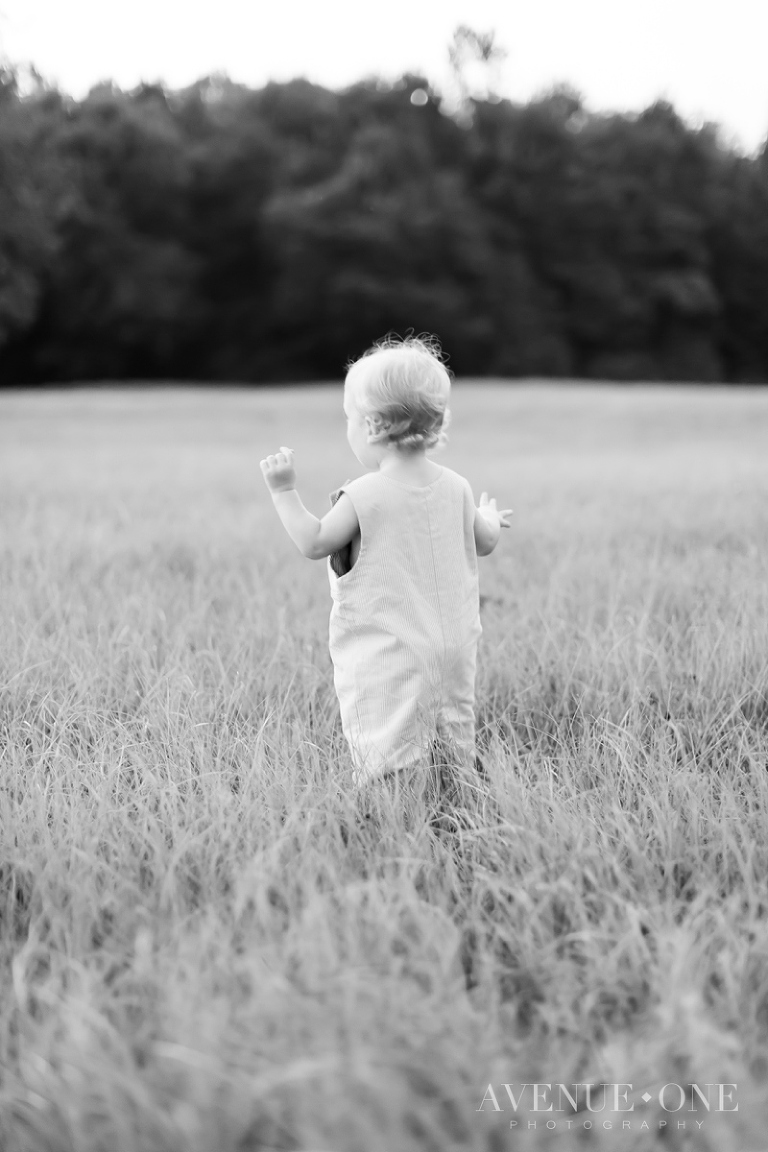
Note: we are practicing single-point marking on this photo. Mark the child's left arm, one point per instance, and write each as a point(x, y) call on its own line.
point(314, 538)
point(489, 522)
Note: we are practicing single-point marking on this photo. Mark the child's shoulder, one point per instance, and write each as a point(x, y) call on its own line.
point(362, 491)
point(457, 480)
point(456, 477)
point(362, 483)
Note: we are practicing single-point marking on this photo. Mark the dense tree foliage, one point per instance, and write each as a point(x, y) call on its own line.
point(230, 234)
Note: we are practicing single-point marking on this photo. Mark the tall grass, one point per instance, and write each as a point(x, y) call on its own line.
point(203, 949)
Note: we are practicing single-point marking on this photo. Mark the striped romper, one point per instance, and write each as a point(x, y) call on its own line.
point(405, 623)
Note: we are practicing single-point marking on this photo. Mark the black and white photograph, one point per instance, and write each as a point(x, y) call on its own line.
point(383, 576)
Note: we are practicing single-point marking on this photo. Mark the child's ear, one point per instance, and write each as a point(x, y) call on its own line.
point(376, 429)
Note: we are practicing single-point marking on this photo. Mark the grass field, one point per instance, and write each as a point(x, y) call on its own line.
point(194, 957)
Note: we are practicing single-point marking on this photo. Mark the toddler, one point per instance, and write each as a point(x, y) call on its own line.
point(402, 542)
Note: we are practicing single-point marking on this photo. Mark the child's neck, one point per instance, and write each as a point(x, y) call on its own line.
point(409, 467)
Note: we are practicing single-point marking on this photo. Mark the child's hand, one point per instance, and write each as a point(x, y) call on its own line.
point(489, 512)
point(278, 471)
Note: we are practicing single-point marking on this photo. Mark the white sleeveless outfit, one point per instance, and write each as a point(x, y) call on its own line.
point(405, 623)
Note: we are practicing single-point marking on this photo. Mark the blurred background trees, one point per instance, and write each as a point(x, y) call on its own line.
point(222, 233)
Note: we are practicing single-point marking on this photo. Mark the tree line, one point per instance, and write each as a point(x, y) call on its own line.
point(225, 233)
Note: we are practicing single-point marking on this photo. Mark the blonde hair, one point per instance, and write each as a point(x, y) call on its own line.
point(403, 386)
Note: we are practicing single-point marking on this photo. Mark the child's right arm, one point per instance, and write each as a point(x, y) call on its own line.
point(489, 522)
point(314, 538)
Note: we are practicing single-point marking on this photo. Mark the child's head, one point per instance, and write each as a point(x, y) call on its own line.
point(400, 389)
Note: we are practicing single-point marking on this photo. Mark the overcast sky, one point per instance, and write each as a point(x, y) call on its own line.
point(709, 57)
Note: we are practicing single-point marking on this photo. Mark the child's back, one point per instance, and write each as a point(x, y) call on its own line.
point(405, 621)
